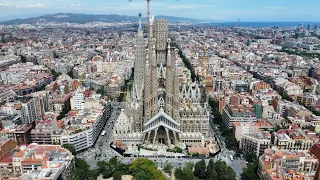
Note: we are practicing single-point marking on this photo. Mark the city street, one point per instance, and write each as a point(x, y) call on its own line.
point(102, 145)
point(237, 164)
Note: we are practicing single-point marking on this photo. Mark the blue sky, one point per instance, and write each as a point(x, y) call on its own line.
point(215, 10)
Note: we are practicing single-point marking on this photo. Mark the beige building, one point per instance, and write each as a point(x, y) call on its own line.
point(241, 128)
point(42, 161)
point(294, 139)
point(255, 143)
point(237, 113)
point(277, 164)
point(36, 162)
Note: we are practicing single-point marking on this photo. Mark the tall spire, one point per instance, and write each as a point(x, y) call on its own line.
point(139, 63)
point(140, 16)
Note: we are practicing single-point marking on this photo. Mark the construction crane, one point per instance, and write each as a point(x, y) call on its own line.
point(204, 63)
point(148, 13)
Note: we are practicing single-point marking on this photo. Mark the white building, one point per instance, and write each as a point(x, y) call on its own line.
point(86, 126)
point(255, 143)
point(38, 162)
point(84, 98)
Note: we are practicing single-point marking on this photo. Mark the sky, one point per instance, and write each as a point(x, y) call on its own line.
point(213, 10)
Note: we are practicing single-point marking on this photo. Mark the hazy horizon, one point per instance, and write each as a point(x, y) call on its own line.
point(213, 10)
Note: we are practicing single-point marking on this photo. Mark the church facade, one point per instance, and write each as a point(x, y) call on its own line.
point(159, 107)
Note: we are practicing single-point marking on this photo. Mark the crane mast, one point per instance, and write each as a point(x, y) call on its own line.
point(204, 63)
point(148, 13)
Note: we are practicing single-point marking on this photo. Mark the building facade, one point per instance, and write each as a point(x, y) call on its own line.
point(255, 143)
point(39, 162)
point(276, 162)
point(159, 109)
point(19, 133)
point(237, 113)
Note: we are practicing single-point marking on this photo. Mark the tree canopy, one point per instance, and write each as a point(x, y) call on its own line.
point(71, 148)
point(113, 168)
point(82, 171)
point(200, 169)
point(145, 169)
point(168, 168)
point(185, 173)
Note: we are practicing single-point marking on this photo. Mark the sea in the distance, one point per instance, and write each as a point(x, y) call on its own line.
point(265, 24)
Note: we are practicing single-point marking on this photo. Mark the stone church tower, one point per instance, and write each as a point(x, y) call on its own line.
point(159, 109)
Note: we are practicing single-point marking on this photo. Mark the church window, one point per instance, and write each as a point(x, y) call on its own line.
point(161, 103)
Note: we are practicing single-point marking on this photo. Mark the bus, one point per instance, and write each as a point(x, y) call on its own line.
point(231, 157)
point(103, 133)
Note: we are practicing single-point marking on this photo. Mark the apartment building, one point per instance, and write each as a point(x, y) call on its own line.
point(6, 146)
point(25, 108)
point(19, 133)
point(84, 98)
point(42, 133)
point(274, 161)
point(86, 126)
point(237, 113)
point(240, 128)
point(255, 143)
point(38, 162)
point(294, 139)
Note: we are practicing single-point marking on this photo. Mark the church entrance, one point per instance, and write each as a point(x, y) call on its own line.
point(162, 136)
point(161, 140)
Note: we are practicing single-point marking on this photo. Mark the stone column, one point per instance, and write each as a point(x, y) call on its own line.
point(148, 140)
point(155, 135)
point(169, 141)
point(143, 138)
point(175, 137)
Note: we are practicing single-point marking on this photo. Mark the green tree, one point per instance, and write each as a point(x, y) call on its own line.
point(224, 172)
point(55, 74)
point(63, 113)
point(185, 173)
point(107, 169)
point(178, 173)
point(200, 169)
point(168, 168)
point(250, 172)
point(211, 173)
point(81, 169)
point(92, 174)
point(144, 169)
point(117, 175)
point(251, 158)
point(187, 64)
point(23, 59)
point(70, 147)
point(70, 73)
point(190, 165)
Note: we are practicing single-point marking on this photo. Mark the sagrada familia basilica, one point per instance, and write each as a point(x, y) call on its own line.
point(160, 108)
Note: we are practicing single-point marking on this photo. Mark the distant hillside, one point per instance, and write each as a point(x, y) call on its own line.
point(86, 18)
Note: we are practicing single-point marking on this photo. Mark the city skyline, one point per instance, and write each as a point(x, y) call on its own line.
point(213, 10)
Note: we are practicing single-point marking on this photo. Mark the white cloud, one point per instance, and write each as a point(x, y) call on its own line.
point(186, 6)
point(218, 18)
point(273, 7)
point(76, 5)
point(4, 5)
point(189, 6)
point(32, 6)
